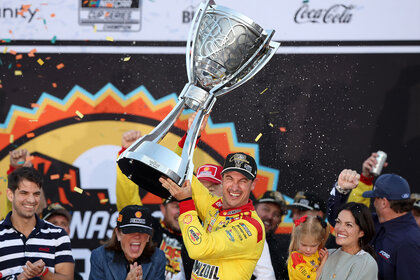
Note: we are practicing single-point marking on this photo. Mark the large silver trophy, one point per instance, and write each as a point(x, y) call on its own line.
point(224, 50)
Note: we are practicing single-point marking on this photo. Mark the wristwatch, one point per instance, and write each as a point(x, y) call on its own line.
point(341, 190)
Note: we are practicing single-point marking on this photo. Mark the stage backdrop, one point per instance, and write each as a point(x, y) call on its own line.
point(75, 75)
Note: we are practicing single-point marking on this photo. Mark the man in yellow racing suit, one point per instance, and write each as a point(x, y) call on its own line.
point(230, 241)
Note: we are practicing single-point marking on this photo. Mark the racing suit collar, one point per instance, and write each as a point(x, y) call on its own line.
point(229, 212)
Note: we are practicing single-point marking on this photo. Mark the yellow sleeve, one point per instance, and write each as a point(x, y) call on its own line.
point(298, 268)
point(365, 184)
point(126, 190)
point(202, 197)
point(227, 243)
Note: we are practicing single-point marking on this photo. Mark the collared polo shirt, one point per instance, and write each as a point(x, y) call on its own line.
point(46, 241)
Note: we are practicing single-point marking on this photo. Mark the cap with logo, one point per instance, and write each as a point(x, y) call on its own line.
point(273, 197)
point(242, 163)
point(135, 218)
point(210, 172)
point(55, 209)
point(308, 201)
point(389, 186)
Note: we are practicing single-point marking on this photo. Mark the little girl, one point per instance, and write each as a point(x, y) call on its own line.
point(307, 254)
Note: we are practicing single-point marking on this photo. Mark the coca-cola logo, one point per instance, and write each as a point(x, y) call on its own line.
point(337, 13)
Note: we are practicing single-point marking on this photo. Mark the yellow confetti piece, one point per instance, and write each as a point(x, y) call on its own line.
point(127, 58)
point(55, 176)
point(78, 190)
point(94, 28)
point(11, 138)
point(5, 50)
point(264, 91)
point(80, 115)
point(103, 201)
point(40, 61)
point(109, 38)
point(270, 124)
point(258, 137)
point(33, 120)
point(18, 73)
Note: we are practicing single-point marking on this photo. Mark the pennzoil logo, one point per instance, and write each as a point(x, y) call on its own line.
point(205, 271)
point(194, 235)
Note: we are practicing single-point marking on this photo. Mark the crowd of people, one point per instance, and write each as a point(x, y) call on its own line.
point(212, 229)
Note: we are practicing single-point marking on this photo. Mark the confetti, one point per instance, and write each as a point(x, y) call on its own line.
point(6, 40)
point(12, 52)
point(18, 65)
point(258, 137)
point(94, 28)
point(31, 55)
point(78, 190)
point(60, 66)
point(34, 105)
point(19, 56)
point(109, 38)
point(109, 5)
point(33, 51)
point(53, 40)
point(127, 58)
point(18, 73)
point(54, 85)
point(55, 176)
point(1, 86)
point(52, 15)
point(5, 50)
point(122, 119)
point(282, 129)
point(67, 177)
point(30, 135)
point(33, 120)
point(270, 124)
point(21, 162)
point(263, 91)
point(40, 61)
point(11, 138)
point(106, 14)
point(103, 201)
point(80, 115)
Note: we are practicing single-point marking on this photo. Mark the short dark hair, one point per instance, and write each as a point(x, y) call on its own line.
point(22, 173)
point(363, 218)
point(402, 205)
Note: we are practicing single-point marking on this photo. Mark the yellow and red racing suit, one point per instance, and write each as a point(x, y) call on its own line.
point(229, 242)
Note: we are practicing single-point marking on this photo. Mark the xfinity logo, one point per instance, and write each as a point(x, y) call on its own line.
point(11, 13)
point(337, 13)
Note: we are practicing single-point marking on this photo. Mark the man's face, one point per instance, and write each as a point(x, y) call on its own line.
point(270, 214)
point(25, 199)
point(170, 213)
point(60, 221)
point(236, 189)
point(214, 188)
point(298, 213)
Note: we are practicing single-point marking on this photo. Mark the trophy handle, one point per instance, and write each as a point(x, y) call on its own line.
point(271, 48)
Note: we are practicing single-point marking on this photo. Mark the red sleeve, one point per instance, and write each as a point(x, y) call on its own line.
point(186, 205)
point(366, 180)
point(11, 169)
point(182, 141)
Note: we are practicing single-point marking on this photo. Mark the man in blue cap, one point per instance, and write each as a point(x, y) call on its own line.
point(397, 238)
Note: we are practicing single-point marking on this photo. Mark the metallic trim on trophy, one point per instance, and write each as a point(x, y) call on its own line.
point(224, 50)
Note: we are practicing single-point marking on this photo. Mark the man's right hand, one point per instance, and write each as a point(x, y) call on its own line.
point(180, 193)
point(348, 179)
point(129, 137)
point(369, 164)
point(19, 158)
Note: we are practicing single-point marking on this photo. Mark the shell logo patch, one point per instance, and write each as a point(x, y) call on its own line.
point(138, 214)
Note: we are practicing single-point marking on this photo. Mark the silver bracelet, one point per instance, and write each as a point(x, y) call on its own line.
point(341, 190)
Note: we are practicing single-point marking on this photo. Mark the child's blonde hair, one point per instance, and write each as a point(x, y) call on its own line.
point(314, 226)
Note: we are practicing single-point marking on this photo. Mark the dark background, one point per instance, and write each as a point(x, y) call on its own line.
point(336, 108)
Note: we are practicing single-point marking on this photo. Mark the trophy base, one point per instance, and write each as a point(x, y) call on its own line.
point(147, 164)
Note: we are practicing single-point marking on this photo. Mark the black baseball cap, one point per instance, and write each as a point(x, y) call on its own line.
point(55, 209)
point(135, 218)
point(308, 201)
point(242, 163)
point(273, 197)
